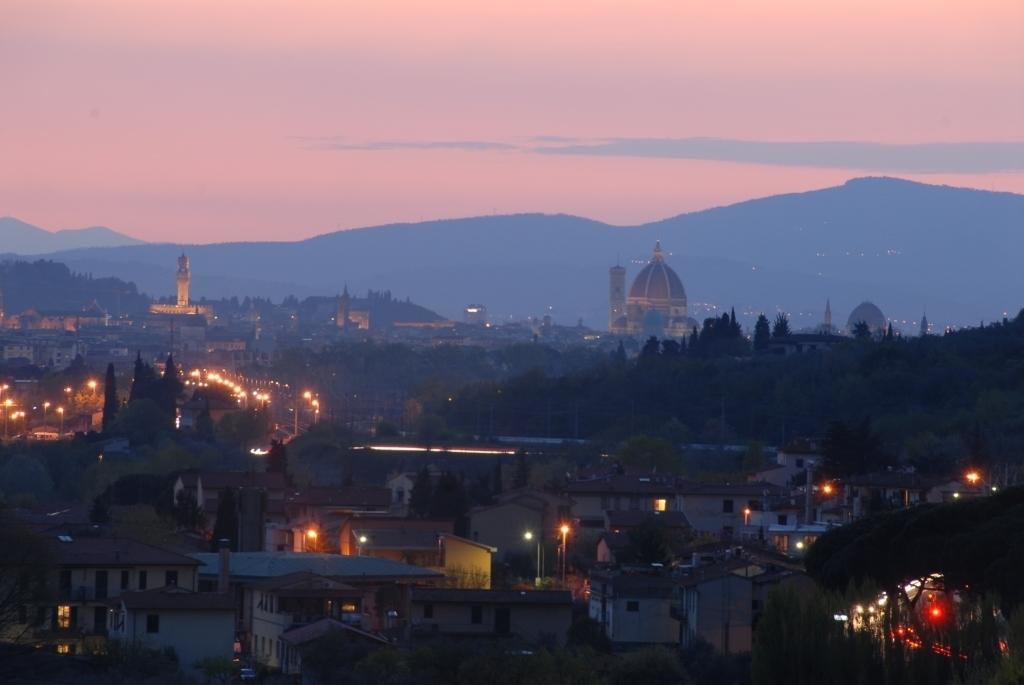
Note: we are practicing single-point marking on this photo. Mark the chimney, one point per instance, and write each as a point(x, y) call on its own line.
point(224, 568)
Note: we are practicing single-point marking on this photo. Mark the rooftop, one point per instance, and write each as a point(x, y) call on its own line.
point(99, 550)
point(462, 596)
point(259, 565)
point(176, 598)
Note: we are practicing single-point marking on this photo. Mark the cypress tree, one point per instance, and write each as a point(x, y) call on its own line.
point(762, 333)
point(110, 405)
point(168, 389)
point(226, 526)
point(421, 495)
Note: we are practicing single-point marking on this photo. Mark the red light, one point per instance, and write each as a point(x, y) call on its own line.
point(936, 612)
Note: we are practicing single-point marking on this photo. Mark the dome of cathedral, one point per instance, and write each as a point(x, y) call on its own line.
point(657, 281)
point(870, 314)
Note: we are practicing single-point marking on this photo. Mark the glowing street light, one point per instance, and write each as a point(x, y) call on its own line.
point(827, 489)
point(60, 410)
point(528, 536)
point(746, 516)
point(92, 387)
point(973, 477)
point(311, 539)
point(7, 414)
point(46, 405)
point(564, 530)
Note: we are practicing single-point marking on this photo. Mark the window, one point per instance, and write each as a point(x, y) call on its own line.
point(142, 580)
point(428, 611)
point(171, 579)
point(125, 575)
point(660, 504)
point(476, 614)
point(726, 506)
point(64, 616)
point(63, 648)
point(101, 585)
point(633, 605)
point(65, 581)
point(152, 623)
point(349, 608)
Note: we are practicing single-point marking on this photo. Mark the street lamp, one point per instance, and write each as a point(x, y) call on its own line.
point(311, 537)
point(316, 411)
point(564, 530)
point(46, 405)
point(528, 536)
point(973, 477)
point(7, 413)
point(60, 410)
point(359, 547)
point(92, 387)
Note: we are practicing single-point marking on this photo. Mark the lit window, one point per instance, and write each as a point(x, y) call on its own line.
point(348, 608)
point(660, 504)
point(64, 616)
point(63, 648)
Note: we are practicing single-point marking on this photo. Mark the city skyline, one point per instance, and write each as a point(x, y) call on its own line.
point(201, 124)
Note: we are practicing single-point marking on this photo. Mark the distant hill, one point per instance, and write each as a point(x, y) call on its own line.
point(25, 239)
point(906, 246)
point(51, 287)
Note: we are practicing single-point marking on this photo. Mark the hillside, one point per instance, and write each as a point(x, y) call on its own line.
point(22, 238)
point(907, 246)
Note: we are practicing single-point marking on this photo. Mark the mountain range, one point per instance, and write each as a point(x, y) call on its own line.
point(25, 239)
point(909, 247)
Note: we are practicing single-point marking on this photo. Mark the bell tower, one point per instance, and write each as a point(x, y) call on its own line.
point(184, 276)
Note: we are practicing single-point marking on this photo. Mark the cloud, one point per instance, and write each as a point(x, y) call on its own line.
point(920, 158)
point(333, 143)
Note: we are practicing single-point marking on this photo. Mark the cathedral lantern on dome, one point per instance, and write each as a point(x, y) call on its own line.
point(656, 304)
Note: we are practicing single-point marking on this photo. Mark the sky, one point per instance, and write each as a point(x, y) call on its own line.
point(276, 120)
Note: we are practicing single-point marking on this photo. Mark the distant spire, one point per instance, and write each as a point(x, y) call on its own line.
point(924, 324)
point(658, 256)
point(828, 315)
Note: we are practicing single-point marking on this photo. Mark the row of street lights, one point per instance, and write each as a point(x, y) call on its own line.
point(563, 531)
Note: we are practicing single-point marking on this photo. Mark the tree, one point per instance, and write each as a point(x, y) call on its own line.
point(780, 328)
point(25, 569)
point(522, 474)
point(650, 348)
point(753, 458)
point(168, 389)
point(649, 454)
point(849, 450)
point(226, 525)
point(861, 331)
point(449, 500)
point(100, 511)
point(648, 543)
point(619, 355)
point(650, 666)
point(142, 422)
point(205, 429)
point(762, 333)
point(496, 480)
point(110, 403)
point(25, 477)
point(422, 494)
point(277, 459)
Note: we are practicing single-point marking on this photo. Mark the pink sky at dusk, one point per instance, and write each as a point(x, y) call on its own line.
point(192, 120)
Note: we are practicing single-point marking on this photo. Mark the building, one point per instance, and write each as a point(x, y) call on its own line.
point(502, 525)
point(91, 570)
point(196, 625)
point(616, 295)
point(299, 640)
point(475, 315)
point(867, 313)
point(720, 603)
point(182, 305)
point(464, 563)
point(656, 305)
point(531, 615)
point(594, 497)
point(634, 606)
point(267, 588)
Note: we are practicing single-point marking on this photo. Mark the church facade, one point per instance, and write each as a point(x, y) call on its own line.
point(656, 304)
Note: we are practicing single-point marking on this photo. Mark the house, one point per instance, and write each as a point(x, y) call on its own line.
point(633, 605)
point(323, 510)
point(272, 579)
point(91, 569)
point(720, 603)
point(530, 615)
point(205, 488)
point(196, 625)
point(347, 542)
point(870, 492)
point(722, 509)
point(794, 540)
point(503, 524)
point(401, 483)
point(464, 563)
point(593, 497)
point(299, 640)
